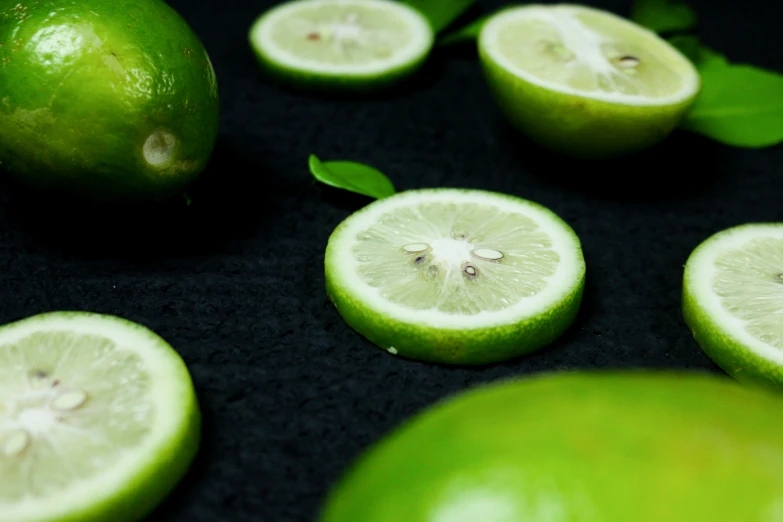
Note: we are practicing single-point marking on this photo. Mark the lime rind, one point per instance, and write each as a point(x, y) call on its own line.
point(587, 125)
point(145, 475)
point(300, 73)
point(476, 346)
point(722, 336)
point(434, 336)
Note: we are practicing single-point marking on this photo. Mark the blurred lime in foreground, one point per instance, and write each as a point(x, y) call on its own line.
point(585, 82)
point(356, 45)
point(577, 447)
point(456, 276)
point(105, 99)
point(733, 301)
point(98, 419)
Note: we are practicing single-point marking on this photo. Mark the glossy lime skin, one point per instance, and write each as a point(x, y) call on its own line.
point(613, 446)
point(84, 85)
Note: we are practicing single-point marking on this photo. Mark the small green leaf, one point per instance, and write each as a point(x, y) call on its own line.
point(466, 33)
point(664, 15)
point(187, 199)
point(739, 105)
point(440, 13)
point(352, 176)
point(701, 55)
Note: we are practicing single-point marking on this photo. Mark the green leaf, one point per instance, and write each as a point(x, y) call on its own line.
point(664, 15)
point(440, 13)
point(352, 176)
point(466, 33)
point(740, 105)
point(701, 55)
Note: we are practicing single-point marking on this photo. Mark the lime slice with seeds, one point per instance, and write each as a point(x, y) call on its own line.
point(456, 276)
point(98, 419)
point(341, 44)
point(585, 82)
point(733, 301)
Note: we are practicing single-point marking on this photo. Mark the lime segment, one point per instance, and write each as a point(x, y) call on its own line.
point(98, 419)
point(733, 301)
point(459, 276)
point(357, 42)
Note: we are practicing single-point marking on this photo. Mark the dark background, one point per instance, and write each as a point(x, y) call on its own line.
point(290, 394)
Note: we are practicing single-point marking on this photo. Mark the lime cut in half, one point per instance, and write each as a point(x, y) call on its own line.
point(583, 81)
point(356, 45)
point(733, 301)
point(98, 419)
point(456, 276)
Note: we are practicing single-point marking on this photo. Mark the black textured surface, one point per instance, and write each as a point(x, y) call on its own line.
point(234, 281)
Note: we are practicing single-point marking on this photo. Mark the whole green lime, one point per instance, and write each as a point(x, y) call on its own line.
point(612, 446)
point(107, 99)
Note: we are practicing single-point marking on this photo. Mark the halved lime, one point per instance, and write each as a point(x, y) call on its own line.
point(585, 82)
point(456, 276)
point(341, 44)
point(610, 446)
point(733, 301)
point(98, 419)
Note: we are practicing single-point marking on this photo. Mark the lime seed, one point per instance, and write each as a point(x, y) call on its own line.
point(416, 247)
point(16, 443)
point(69, 400)
point(628, 62)
point(488, 254)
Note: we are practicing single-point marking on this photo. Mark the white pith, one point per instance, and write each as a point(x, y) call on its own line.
point(167, 391)
point(584, 43)
point(416, 48)
point(701, 270)
point(560, 285)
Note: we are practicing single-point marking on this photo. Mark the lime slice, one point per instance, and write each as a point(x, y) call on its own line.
point(615, 446)
point(455, 276)
point(341, 44)
point(585, 82)
point(98, 419)
point(733, 301)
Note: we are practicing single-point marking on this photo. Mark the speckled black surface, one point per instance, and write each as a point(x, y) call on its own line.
point(234, 281)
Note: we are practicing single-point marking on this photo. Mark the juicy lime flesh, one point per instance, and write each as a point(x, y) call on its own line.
point(577, 447)
point(749, 282)
point(114, 99)
point(339, 34)
point(456, 258)
point(70, 405)
point(589, 52)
